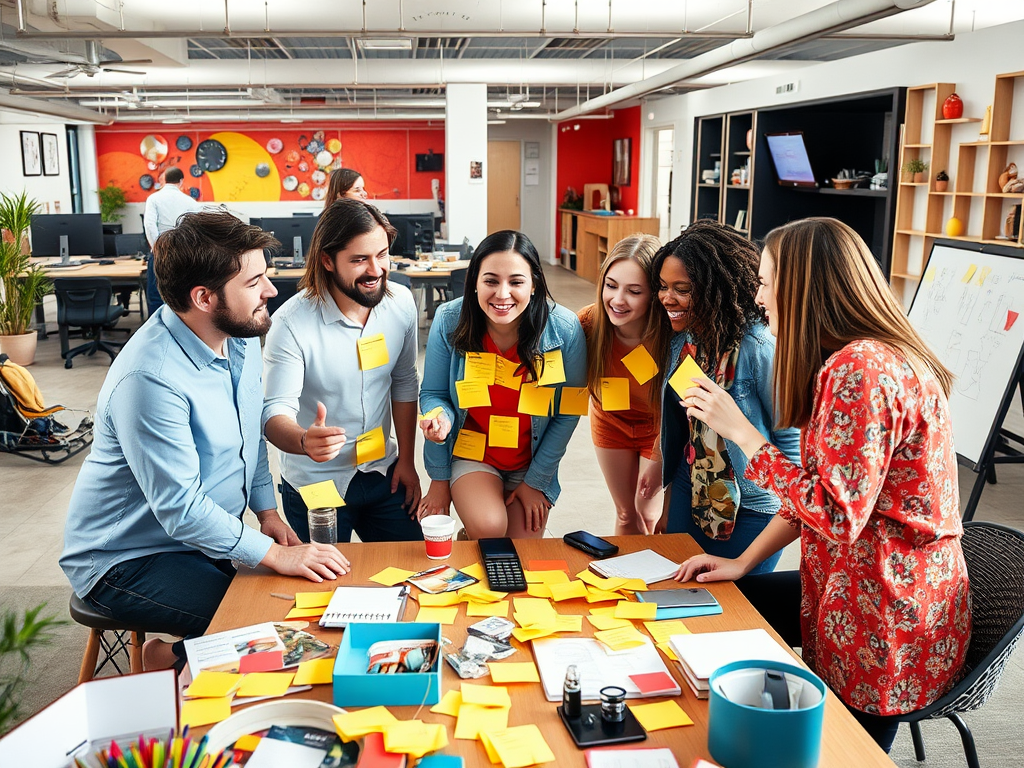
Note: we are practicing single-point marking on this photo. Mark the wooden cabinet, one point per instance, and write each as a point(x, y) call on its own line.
point(707, 190)
point(721, 145)
point(595, 235)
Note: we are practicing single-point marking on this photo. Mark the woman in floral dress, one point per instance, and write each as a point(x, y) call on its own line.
point(881, 604)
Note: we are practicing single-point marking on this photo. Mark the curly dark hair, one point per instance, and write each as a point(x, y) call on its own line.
point(722, 266)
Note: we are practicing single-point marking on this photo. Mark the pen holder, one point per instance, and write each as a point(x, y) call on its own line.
point(743, 734)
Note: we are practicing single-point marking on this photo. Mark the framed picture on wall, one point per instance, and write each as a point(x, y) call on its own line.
point(620, 162)
point(31, 155)
point(51, 157)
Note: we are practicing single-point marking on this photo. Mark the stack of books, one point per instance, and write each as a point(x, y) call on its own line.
point(700, 655)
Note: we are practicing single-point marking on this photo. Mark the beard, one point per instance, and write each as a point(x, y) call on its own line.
point(240, 327)
point(361, 297)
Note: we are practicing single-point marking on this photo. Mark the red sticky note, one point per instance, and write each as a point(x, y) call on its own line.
point(652, 682)
point(549, 565)
point(1011, 318)
point(266, 661)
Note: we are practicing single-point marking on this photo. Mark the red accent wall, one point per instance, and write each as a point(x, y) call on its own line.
point(383, 152)
point(585, 156)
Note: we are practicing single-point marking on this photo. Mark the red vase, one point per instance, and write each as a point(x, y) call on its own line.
point(952, 107)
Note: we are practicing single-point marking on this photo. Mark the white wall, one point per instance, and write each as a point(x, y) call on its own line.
point(45, 189)
point(465, 142)
point(971, 61)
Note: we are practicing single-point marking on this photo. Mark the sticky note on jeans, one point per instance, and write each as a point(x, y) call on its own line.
point(470, 445)
point(373, 352)
point(370, 446)
point(503, 432)
point(534, 400)
point(322, 494)
point(681, 379)
point(640, 364)
point(554, 369)
point(574, 401)
point(472, 394)
point(615, 393)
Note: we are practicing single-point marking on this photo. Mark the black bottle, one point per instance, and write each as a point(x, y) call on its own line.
point(571, 695)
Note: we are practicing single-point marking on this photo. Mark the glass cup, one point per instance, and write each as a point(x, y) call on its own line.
point(323, 525)
point(438, 531)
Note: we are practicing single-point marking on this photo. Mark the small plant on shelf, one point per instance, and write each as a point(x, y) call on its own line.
point(112, 200)
point(915, 168)
point(941, 181)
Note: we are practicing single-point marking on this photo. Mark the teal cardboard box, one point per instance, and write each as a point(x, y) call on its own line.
point(354, 687)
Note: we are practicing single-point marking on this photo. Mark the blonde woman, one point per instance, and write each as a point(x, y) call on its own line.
point(624, 318)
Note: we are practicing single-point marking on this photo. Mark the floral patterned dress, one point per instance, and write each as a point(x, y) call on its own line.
point(885, 612)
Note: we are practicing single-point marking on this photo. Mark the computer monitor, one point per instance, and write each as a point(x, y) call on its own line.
point(413, 229)
point(789, 155)
point(83, 233)
point(295, 234)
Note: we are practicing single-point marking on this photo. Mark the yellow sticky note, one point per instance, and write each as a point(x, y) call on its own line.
point(569, 623)
point(492, 754)
point(414, 737)
point(663, 714)
point(574, 401)
point(603, 611)
point(621, 638)
point(322, 494)
point(437, 615)
point(485, 695)
point(554, 370)
point(681, 379)
point(196, 712)
point(661, 631)
point(442, 600)
point(534, 400)
point(499, 608)
point(474, 718)
point(247, 743)
point(479, 593)
point(970, 273)
point(596, 581)
point(624, 609)
point(472, 394)
point(449, 704)
point(370, 446)
point(640, 363)
point(505, 374)
point(630, 585)
point(929, 276)
point(667, 650)
point(540, 590)
point(313, 599)
point(534, 609)
point(433, 413)
point(352, 725)
point(520, 746)
point(514, 672)
point(470, 445)
point(373, 352)
point(391, 576)
point(602, 622)
point(601, 595)
point(476, 570)
point(503, 432)
point(315, 672)
point(615, 393)
point(546, 577)
point(305, 613)
point(213, 685)
point(982, 274)
point(526, 634)
point(480, 366)
point(567, 590)
point(265, 684)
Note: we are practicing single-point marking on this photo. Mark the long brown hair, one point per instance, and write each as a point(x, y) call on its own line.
point(341, 182)
point(830, 292)
point(639, 249)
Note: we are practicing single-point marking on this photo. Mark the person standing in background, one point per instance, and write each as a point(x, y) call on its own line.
point(163, 209)
point(346, 183)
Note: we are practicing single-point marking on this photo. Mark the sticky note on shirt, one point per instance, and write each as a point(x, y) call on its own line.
point(370, 446)
point(574, 401)
point(640, 364)
point(615, 393)
point(554, 370)
point(472, 394)
point(534, 400)
point(503, 432)
point(681, 379)
point(373, 352)
point(480, 366)
point(322, 494)
point(470, 445)
point(505, 374)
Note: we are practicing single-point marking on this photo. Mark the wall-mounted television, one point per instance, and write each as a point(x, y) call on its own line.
point(789, 155)
point(430, 162)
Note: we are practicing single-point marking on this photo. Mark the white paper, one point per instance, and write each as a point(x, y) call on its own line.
point(645, 564)
point(705, 652)
point(531, 170)
point(631, 758)
point(274, 753)
point(597, 665)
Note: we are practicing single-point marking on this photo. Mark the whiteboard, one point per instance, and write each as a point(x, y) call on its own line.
point(968, 308)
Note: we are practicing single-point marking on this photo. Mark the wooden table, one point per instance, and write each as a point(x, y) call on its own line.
point(596, 235)
point(248, 601)
point(124, 273)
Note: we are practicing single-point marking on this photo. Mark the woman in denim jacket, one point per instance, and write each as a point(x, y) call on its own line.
point(708, 281)
point(513, 334)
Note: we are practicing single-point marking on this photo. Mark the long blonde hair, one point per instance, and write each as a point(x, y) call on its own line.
point(640, 249)
point(830, 292)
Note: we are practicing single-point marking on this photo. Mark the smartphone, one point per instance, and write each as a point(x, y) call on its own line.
point(591, 544)
point(678, 598)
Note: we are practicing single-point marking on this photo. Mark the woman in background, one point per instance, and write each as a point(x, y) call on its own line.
point(625, 318)
point(345, 183)
point(881, 602)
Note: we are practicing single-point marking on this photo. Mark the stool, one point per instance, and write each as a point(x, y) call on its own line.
point(84, 614)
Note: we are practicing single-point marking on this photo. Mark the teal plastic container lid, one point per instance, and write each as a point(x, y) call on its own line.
point(742, 733)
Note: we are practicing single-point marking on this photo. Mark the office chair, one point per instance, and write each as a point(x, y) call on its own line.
point(396, 277)
point(458, 285)
point(134, 244)
point(286, 288)
point(995, 566)
point(85, 302)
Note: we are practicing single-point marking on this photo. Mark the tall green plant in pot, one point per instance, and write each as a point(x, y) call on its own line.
point(112, 200)
point(22, 284)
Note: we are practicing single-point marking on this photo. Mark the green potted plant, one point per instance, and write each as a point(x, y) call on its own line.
point(22, 284)
point(17, 637)
point(915, 168)
point(942, 181)
point(112, 201)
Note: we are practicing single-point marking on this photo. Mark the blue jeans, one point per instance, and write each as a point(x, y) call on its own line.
point(371, 510)
point(172, 592)
point(748, 524)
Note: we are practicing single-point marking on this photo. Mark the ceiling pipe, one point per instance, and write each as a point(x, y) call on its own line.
point(52, 109)
point(828, 19)
point(136, 116)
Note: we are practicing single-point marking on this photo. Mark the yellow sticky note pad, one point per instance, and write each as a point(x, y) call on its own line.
point(470, 445)
point(546, 577)
point(534, 608)
point(534, 400)
point(526, 634)
point(600, 583)
point(615, 393)
point(373, 352)
point(520, 746)
point(440, 600)
point(567, 590)
point(630, 585)
point(485, 695)
point(540, 590)
point(969, 274)
point(472, 394)
point(621, 638)
point(569, 623)
point(213, 685)
point(438, 615)
point(480, 366)
point(196, 712)
point(503, 432)
point(640, 364)
point(602, 622)
point(315, 672)
point(514, 672)
point(499, 608)
point(322, 494)
point(370, 446)
point(449, 704)
point(352, 725)
point(391, 576)
point(681, 379)
point(479, 593)
point(265, 684)
point(313, 599)
point(574, 401)
point(476, 570)
point(554, 370)
point(505, 374)
point(305, 613)
point(474, 718)
point(627, 610)
point(664, 714)
point(661, 631)
point(601, 595)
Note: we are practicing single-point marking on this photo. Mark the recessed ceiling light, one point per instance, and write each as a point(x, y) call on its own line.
point(384, 43)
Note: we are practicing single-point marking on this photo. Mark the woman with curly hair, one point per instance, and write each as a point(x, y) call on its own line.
point(707, 284)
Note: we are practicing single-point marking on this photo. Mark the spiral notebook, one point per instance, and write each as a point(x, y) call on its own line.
point(374, 605)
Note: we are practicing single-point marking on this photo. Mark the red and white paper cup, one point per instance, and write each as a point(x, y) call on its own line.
point(438, 531)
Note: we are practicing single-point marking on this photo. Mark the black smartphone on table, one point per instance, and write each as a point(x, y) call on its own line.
point(502, 565)
point(593, 545)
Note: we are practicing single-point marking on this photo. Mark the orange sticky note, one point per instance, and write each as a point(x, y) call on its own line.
point(574, 401)
point(615, 393)
point(373, 352)
point(549, 565)
point(480, 366)
point(472, 394)
point(534, 400)
point(640, 363)
point(554, 370)
point(196, 712)
point(470, 445)
point(370, 446)
point(503, 432)
point(681, 379)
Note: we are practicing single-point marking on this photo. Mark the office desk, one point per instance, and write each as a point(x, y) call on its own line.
point(123, 273)
point(248, 601)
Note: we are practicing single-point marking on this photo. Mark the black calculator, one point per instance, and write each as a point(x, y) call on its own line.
point(501, 562)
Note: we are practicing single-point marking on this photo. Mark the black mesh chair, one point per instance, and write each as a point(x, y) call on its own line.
point(85, 303)
point(995, 566)
point(396, 277)
point(458, 286)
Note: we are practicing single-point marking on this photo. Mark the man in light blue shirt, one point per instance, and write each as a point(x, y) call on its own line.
point(155, 522)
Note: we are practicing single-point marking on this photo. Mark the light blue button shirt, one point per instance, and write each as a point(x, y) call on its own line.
point(178, 455)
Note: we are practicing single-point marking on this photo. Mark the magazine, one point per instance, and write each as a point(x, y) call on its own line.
point(390, 657)
point(260, 647)
point(442, 578)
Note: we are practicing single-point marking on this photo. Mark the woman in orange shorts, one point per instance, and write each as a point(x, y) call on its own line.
point(624, 415)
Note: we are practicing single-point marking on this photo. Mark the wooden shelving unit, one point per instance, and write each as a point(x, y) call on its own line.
point(974, 196)
point(709, 139)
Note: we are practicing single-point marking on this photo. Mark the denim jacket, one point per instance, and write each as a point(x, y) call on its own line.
point(752, 391)
point(443, 367)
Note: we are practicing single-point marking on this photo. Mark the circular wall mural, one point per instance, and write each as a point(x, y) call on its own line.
point(211, 155)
